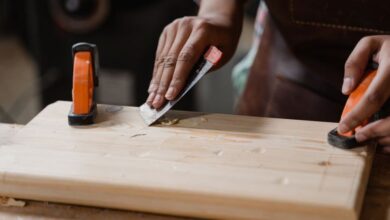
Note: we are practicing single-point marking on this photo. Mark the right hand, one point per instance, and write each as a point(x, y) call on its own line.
point(181, 45)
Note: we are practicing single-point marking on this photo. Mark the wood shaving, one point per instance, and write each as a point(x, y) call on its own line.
point(11, 202)
point(203, 119)
point(137, 135)
point(168, 121)
point(113, 108)
point(218, 152)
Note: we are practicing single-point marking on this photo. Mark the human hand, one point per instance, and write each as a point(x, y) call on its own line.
point(377, 49)
point(184, 41)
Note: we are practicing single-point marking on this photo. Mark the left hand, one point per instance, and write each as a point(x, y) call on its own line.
point(376, 48)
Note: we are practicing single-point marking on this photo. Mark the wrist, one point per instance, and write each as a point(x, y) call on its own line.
point(227, 12)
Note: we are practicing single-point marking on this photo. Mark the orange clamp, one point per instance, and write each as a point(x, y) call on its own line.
point(83, 84)
point(355, 97)
point(85, 79)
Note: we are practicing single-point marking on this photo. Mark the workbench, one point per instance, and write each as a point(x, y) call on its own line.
point(376, 202)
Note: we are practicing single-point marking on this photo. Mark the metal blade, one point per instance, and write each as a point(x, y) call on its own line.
point(150, 115)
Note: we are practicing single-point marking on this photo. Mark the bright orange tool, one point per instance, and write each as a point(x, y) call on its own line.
point(355, 97)
point(85, 79)
point(347, 140)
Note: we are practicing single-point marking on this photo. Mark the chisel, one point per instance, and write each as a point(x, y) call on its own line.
point(209, 59)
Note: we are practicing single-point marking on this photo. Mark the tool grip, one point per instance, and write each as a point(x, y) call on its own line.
point(356, 96)
point(85, 79)
point(213, 55)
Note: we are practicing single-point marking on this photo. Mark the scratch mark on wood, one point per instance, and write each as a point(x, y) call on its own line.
point(137, 135)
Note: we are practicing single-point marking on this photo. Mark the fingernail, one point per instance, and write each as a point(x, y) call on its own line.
point(157, 99)
point(360, 137)
point(347, 85)
point(170, 92)
point(343, 128)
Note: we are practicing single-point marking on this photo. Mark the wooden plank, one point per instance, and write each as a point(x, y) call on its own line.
point(376, 202)
point(50, 211)
point(208, 165)
point(7, 131)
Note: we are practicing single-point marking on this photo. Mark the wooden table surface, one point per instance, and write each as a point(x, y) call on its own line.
point(376, 203)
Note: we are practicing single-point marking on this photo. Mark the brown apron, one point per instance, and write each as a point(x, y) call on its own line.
point(299, 67)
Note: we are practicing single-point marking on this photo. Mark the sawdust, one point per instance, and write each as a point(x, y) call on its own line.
point(168, 121)
point(113, 108)
point(11, 202)
point(284, 181)
point(259, 150)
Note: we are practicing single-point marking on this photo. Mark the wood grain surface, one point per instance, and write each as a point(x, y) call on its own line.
point(208, 165)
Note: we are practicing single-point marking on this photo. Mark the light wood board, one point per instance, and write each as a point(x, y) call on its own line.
point(7, 131)
point(208, 165)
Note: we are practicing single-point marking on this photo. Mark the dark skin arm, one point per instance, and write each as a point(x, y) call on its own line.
point(183, 42)
point(370, 48)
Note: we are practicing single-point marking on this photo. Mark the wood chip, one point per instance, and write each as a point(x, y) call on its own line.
point(168, 121)
point(11, 202)
point(113, 108)
point(218, 152)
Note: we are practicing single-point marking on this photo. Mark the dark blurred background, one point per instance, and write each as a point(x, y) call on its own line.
point(36, 63)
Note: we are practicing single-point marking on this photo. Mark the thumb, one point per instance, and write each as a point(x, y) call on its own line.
point(356, 63)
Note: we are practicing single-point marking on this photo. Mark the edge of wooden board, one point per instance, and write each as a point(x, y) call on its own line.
point(190, 204)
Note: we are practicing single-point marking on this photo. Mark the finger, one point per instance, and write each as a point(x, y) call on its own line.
point(169, 39)
point(150, 98)
point(153, 86)
point(377, 129)
point(375, 57)
point(376, 94)
point(170, 63)
point(189, 55)
point(158, 61)
point(170, 35)
point(356, 63)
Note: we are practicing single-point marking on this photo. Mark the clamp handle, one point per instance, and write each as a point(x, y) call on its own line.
point(355, 97)
point(85, 79)
point(92, 48)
